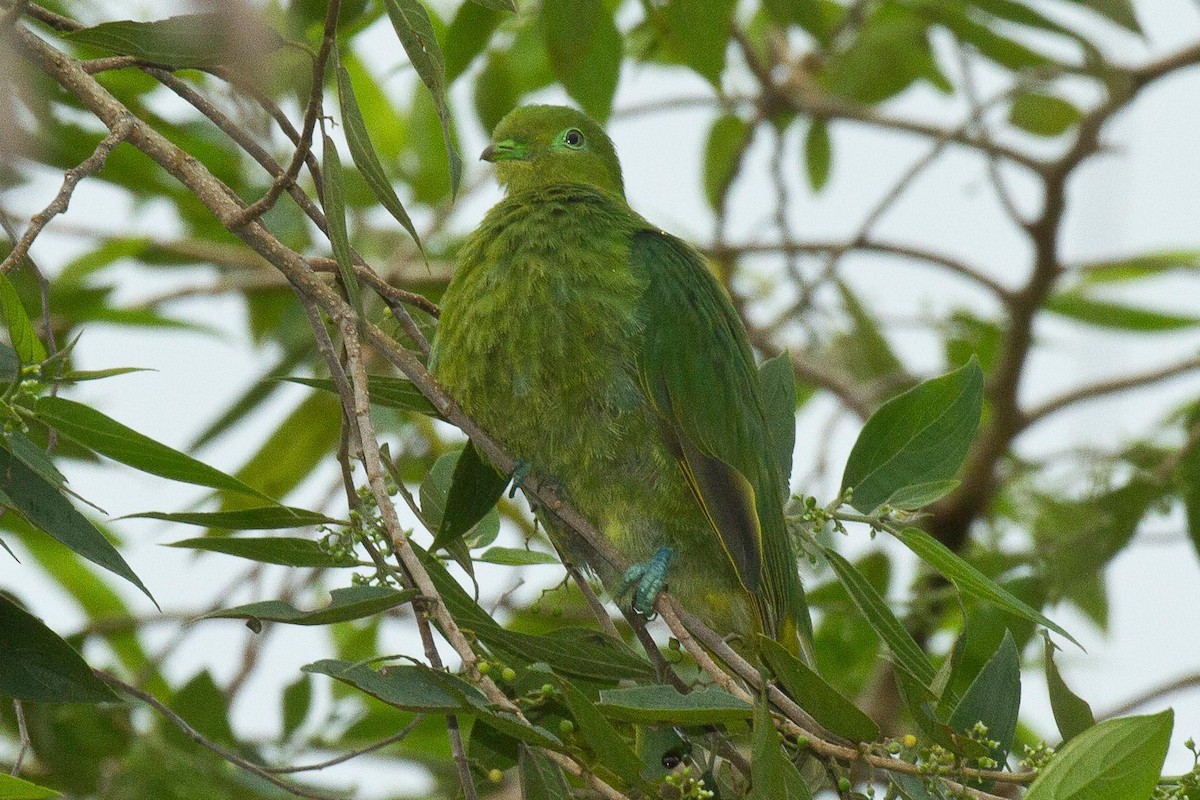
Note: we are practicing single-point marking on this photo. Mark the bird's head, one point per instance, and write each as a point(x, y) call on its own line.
point(538, 146)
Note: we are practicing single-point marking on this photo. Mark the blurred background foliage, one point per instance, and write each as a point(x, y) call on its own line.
point(1025, 90)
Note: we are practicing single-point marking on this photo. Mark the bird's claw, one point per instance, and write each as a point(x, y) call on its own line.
point(521, 470)
point(650, 577)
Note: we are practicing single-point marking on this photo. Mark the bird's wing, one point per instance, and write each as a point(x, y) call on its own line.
point(697, 370)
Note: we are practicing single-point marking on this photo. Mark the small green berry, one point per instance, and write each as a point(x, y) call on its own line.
point(484, 667)
point(495, 775)
point(566, 726)
point(508, 675)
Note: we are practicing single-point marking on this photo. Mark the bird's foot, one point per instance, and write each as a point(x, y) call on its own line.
point(521, 470)
point(650, 577)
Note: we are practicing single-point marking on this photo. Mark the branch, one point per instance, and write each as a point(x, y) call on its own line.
point(118, 132)
point(362, 751)
point(1152, 695)
point(1104, 388)
point(199, 738)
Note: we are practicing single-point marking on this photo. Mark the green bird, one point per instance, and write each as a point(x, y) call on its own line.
point(603, 353)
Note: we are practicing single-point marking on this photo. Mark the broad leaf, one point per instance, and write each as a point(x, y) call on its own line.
point(283, 550)
point(12, 788)
point(778, 383)
point(700, 31)
point(994, 698)
point(1072, 714)
point(409, 687)
point(20, 330)
point(354, 602)
point(907, 653)
point(474, 491)
point(816, 696)
point(610, 747)
point(1043, 114)
point(970, 580)
point(918, 438)
point(818, 154)
point(40, 667)
point(516, 557)
point(1119, 759)
point(44, 507)
point(585, 50)
point(727, 140)
point(773, 776)
point(99, 432)
point(189, 40)
point(660, 704)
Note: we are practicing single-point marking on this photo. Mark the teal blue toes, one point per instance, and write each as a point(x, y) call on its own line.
point(521, 470)
point(650, 577)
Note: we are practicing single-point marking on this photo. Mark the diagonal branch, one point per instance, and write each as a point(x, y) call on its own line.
point(1105, 388)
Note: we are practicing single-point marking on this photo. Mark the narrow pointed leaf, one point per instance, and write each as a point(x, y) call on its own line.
point(264, 518)
point(289, 552)
point(188, 40)
point(365, 157)
point(335, 213)
point(727, 141)
point(970, 580)
point(816, 696)
point(778, 382)
point(917, 438)
point(1119, 759)
point(408, 687)
point(773, 776)
point(12, 788)
point(474, 491)
point(516, 557)
point(818, 154)
point(32, 456)
point(20, 330)
point(384, 390)
point(907, 653)
point(1072, 714)
point(541, 778)
point(44, 507)
point(415, 31)
point(1118, 316)
point(40, 667)
point(99, 432)
point(660, 704)
point(610, 747)
point(354, 602)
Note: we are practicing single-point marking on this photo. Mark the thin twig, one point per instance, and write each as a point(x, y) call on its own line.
point(199, 738)
point(71, 178)
point(23, 734)
point(1105, 388)
point(401, 735)
point(1186, 683)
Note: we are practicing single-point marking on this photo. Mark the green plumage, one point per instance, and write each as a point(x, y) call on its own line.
point(602, 351)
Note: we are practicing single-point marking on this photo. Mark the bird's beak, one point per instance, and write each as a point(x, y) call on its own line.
point(507, 150)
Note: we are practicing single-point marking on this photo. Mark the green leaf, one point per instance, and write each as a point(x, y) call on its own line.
point(1119, 11)
point(919, 437)
point(334, 202)
point(1072, 714)
point(908, 654)
point(189, 40)
point(468, 35)
point(99, 432)
point(727, 140)
point(916, 497)
point(1043, 114)
point(264, 518)
point(44, 507)
point(296, 701)
point(516, 557)
point(32, 456)
point(292, 452)
point(778, 383)
point(1144, 266)
point(415, 31)
point(365, 157)
point(498, 5)
point(970, 580)
point(1119, 759)
point(40, 667)
point(889, 54)
point(20, 330)
point(818, 154)
point(354, 602)
point(700, 31)
point(411, 688)
point(772, 774)
point(270, 550)
point(660, 704)
point(585, 51)
point(384, 390)
point(541, 778)
point(1117, 316)
point(474, 491)
point(994, 698)
point(12, 788)
point(816, 696)
point(610, 747)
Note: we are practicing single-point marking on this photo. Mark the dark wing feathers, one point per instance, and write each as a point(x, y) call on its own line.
point(698, 371)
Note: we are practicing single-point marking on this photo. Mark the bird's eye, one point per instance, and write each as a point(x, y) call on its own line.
point(573, 138)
